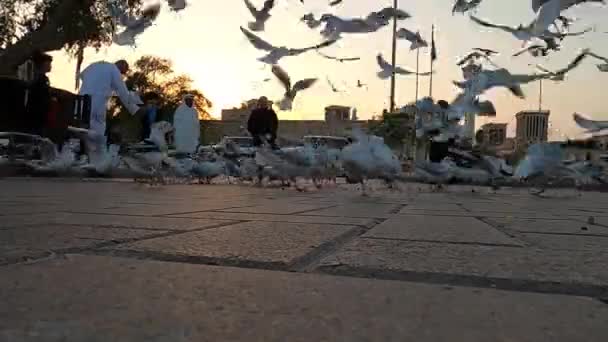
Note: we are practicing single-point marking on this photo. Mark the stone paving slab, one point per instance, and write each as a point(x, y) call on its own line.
point(444, 259)
point(278, 207)
point(568, 242)
point(458, 212)
point(114, 299)
point(135, 222)
point(433, 206)
point(559, 226)
point(222, 215)
point(272, 243)
point(36, 241)
point(359, 210)
point(439, 229)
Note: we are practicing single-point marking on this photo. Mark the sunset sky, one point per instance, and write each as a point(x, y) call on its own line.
point(204, 41)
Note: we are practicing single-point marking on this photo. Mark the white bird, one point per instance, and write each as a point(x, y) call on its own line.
point(335, 26)
point(414, 38)
point(591, 126)
point(564, 4)
point(463, 6)
point(540, 159)
point(290, 92)
point(208, 170)
point(276, 53)
point(133, 27)
point(260, 16)
point(387, 69)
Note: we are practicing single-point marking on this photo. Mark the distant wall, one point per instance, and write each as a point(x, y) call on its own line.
point(212, 131)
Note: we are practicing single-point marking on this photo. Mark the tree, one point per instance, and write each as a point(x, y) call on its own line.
point(46, 25)
point(153, 74)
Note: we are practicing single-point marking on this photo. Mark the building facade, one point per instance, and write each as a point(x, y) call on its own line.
point(337, 113)
point(532, 127)
point(494, 134)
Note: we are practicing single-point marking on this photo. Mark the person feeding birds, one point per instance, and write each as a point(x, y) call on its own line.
point(100, 80)
point(263, 123)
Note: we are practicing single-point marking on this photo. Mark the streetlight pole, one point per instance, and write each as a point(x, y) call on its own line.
point(394, 58)
point(540, 96)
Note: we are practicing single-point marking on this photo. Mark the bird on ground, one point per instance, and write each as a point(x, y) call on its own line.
point(387, 69)
point(260, 16)
point(276, 53)
point(591, 126)
point(290, 91)
point(414, 38)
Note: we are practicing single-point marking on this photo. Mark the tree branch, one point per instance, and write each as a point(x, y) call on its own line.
point(49, 37)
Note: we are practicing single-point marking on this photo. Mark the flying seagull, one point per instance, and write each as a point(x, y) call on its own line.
point(463, 6)
point(591, 126)
point(361, 85)
point(276, 53)
point(290, 92)
point(333, 88)
point(133, 26)
point(387, 69)
point(414, 38)
point(339, 59)
point(476, 55)
point(260, 16)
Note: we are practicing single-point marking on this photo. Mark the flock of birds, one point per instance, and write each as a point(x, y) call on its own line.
point(367, 157)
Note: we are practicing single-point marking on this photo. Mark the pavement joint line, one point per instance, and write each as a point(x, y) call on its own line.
point(311, 210)
point(599, 292)
point(104, 226)
point(109, 243)
point(397, 208)
point(189, 259)
point(202, 211)
point(467, 243)
point(310, 261)
point(513, 234)
point(270, 221)
point(564, 234)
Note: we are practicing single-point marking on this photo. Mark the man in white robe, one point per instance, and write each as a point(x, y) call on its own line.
point(187, 129)
point(100, 80)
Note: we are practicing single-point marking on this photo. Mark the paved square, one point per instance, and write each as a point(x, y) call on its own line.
point(111, 260)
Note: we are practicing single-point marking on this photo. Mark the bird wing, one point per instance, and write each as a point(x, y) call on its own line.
point(487, 24)
point(254, 11)
point(573, 34)
point(384, 65)
point(529, 48)
point(282, 75)
point(304, 84)
point(597, 56)
point(406, 34)
point(468, 58)
point(517, 91)
point(151, 12)
point(315, 47)
point(390, 12)
point(268, 5)
point(326, 56)
point(536, 4)
point(487, 52)
point(575, 63)
point(256, 41)
point(584, 122)
point(546, 16)
point(335, 2)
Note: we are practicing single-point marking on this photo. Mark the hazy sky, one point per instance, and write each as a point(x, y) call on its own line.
point(205, 42)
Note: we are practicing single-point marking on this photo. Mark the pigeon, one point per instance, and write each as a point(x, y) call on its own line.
point(591, 126)
point(339, 59)
point(333, 88)
point(290, 92)
point(133, 26)
point(387, 69)
point(463, 6)
point(414, 38)
point(177, 5)
point(261, 16)
point(276, 53)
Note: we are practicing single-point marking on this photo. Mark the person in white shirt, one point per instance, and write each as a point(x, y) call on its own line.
point(187, 129)
point(100, 80)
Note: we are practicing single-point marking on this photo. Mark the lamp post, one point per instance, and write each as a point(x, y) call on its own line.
point(393, 58)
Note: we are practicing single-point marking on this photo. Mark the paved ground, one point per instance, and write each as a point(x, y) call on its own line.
point(117, 261)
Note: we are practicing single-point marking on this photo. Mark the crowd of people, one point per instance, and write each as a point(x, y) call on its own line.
point(102, 80)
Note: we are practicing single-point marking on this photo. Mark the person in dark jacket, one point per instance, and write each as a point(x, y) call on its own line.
point(263, 122)
point(39, 95)
point(151, 101)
